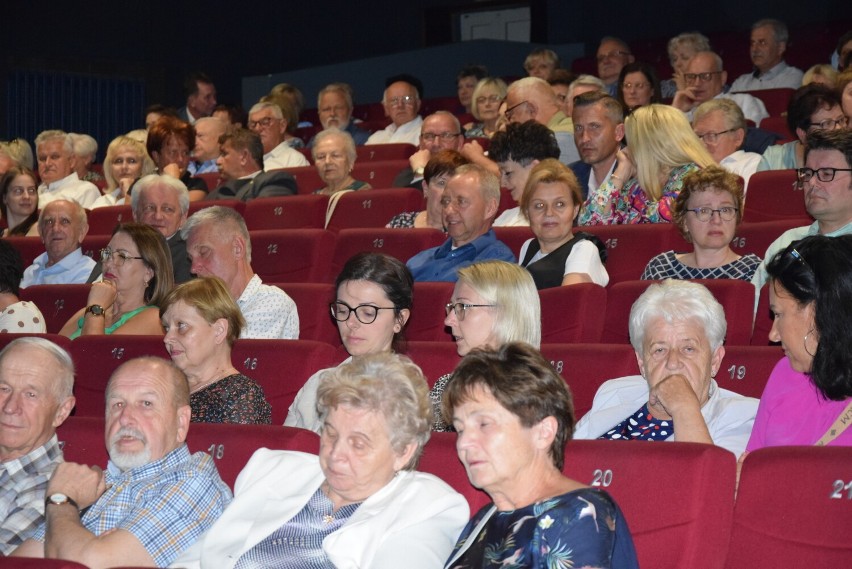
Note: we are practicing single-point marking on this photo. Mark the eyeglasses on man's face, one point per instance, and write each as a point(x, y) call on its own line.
point(262, 123)
point(705, 214)
point(822, 174)
point(445, 136)
point(459, 308)
point(406, 101)
point(713, 137)
point(364, 313)
point(703, 77)
point(511, 110)
point(118, 257)
point(830, 124)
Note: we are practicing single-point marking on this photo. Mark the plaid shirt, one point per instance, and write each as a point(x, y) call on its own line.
point(22, 485)
point(166, 504)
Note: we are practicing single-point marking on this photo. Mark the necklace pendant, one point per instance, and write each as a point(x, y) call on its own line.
point(327, 519)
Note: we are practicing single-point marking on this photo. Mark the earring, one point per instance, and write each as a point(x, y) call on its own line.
point(805, 342)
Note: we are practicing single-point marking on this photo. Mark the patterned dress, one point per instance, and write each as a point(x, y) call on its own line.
point(234, 399)
point(667, 266)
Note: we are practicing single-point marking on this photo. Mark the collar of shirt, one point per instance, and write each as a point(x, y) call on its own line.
point(251, 288)
point(115, 476)
point(32, 462)
point(478, 244)
point(772, 73)
point(59, 184)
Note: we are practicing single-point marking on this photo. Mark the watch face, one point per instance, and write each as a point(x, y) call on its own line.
point(58, 498)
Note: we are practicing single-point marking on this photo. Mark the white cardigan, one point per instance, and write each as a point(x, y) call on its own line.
point(413, 521)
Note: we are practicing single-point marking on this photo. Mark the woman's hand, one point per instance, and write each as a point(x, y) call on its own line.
point(172, 170)
point(125, 184)
point(102, 293)
point(626, 169)
point(674, 396)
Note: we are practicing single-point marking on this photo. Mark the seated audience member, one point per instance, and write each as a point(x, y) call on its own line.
point(598, 134)
point(126, 161)
point(582, 84)
point(200, 97)
point(169, 142)
point(493, 303)
point(62, 226)
point(334, 156)
point(377, 510)
point(16, 152)
point(822, 73)
point(202, 322)
point(401, 100)
point(334, 107)
point(36, 379)
point(154, 112)
point(240, 164)
point(705, 79)
point(440, 168)
point(541, 62)
point(466, 82)
point(153, 500)
point(85, 152)
point(367, 284)
point(839, 58)
point(808, 398)
point(560, 80)
point(511, 406)
point(233, 115)
point(707, 212)
point(825, 183)
point(208, 130)
point(19, 202)
point(812, 108)
point(677, 329)
point(638, 86)
point(267, 121)
point(556, 257)
point(16, 316)
point(532, 98)
point(56, 161)
point(844, 88)
point(768, 44)
point(289, 99)
point(612, 55)
point(517, 150)
point(721, 126)
point(137, 275)
point(650, 171)
point(469, 203)
point(485, 108)
point(440, 131)
point(681, 49)
point(218, 245)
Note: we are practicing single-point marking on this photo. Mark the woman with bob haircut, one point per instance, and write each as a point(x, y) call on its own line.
point(514, 415)
point(170, 141)
point(485, 108)
point(662, 149)
point(201, 323)
point(126, 162)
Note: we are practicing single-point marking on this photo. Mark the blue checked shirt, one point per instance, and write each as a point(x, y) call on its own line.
point(22, 485)
point(166, 504)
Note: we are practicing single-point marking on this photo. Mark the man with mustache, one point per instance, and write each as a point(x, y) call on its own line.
point(155, 498)
point(334, 107)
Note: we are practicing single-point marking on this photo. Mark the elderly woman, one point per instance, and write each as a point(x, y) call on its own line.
point(202, 322)
point(440, 168)
point(334, 156)
point(493, 303)
point(822, 73)
point(514, 415)
point(19, 203)
point(541, 62)
point(808, 398)
point(126, 161)
point(681, 48)
point(677, 329)
point(137, 275)
point(169, 143)
point(707, 212)
point(487, 96)
point(16, 316)
point(371, 308)
point(638, 86)
point(556, 256)
point(85, 152)
point(360, 503)
point(649, 175)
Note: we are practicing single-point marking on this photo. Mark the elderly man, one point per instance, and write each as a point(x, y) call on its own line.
point(469, 203)
point(441, 131)
point(206, 151)
point(705, 79)
point(241, 164)
point(267, 120)
point(612, 55)
point(200, 97)
point(334, 106)
point(218, 244)
point(59, 180)
point(155, 498)
point(62, 226)
point(721, 126)
point(401, 101)
point(598, 134)
point(36, 379)
point(767, 47)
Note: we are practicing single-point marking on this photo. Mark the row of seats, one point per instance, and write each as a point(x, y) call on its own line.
point(792, 502)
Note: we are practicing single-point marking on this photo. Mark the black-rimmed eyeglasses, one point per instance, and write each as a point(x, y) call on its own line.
point(364, 313)
point(822, 174)
point(706, 213)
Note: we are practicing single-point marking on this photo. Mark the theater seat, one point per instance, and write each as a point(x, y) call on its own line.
point(57, 303)
point(312, 300)
point(513, 237)
point(630, 247)
point(290, 212)
point(745, 369)
point(373, 208)
point(379, 173)
point(292, 255)
point(757, 237)
point(28, 247)
point(307, 179)
point(82, 440)
point(440, 458)
point(434, 358)
point(775, 195)
point(427, 314)
point(399, 243)
point(380, 152)
point(776, 101)
point(237, 205)
point(762, 320)
point(572, 313)
point(61, 341)
point(102, 220)
point(92, 245)
point(22, 563)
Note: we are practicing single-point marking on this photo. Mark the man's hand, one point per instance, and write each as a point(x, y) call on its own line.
point(83, 484)
point(684, 99)
point(419, 159)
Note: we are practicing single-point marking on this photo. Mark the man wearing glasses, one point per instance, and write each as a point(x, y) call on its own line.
point(441, 131)
point(767, 47)
point(402, 105)
point(267, 120)
point(613, 54)
point(705, 80)
point(62, 226)
point(721, 126)
point(826, 183)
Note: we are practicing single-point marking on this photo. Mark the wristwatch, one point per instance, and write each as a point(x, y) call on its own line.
point(58, 499)
point(95, 310)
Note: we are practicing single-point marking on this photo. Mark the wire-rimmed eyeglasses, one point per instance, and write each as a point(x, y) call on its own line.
point(705, 214)
point(459, 308)
point(118, 257)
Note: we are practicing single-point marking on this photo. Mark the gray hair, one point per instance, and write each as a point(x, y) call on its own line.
point(19, 151)
point(155, 179)
point(47, 135)
point(343, 89)
point(64, 387)
point(697, 40)
point(779, 28)
point(276, 110)
point(389, 385)
point(348, 143)
point(84, 145)
point(489, 184)
point(224, 219)
point(734, 118)
point(588, 80)
point(675, 301)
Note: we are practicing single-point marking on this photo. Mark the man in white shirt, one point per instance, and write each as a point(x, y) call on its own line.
point(721, 126)
point(56, 161)
point(62, 225)
point(768, 44)
point(401, 101)
point(267, 120)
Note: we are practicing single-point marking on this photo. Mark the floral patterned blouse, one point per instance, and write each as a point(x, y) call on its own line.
point(233, 399)
point(611, 204)
point(583, 528)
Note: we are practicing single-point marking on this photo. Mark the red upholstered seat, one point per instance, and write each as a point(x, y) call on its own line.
point(233, 204)
point(572, 313)
point(102, 220)
point(57, 303)
point(212, 179)
point(762, 320)
point(513, 237)
point(307, 178)
point(92, 245)
point(28, 247)
point(292, 255)
point(793, 509)
point(22, 563)
point(434, 358)
point(374, 208)
point(775, 100)
point(289, 212)
point(775, 195)
point(382, 152)
point(312, 299)
point(61, 341)
point(745, 369)
point(82, 440)
point(428, 312)
point(630, 247)
point(400, 243)
point(440, 458)
point(757, 237)
point(684, 519)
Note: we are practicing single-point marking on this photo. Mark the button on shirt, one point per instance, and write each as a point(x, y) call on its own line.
point(70, 188)
point(268, 311)
point(74, 268)
point(441, 263)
